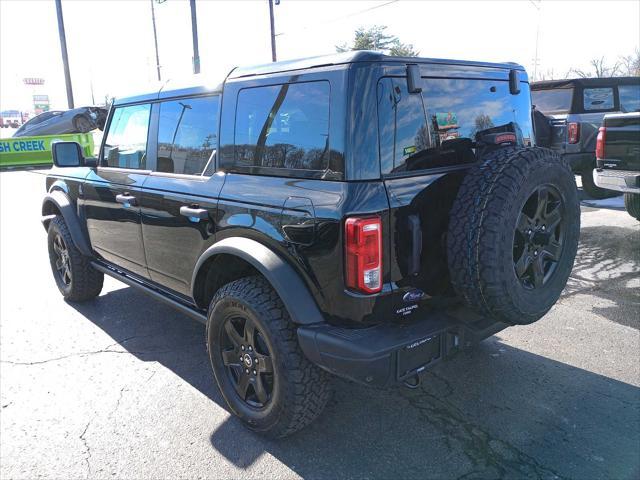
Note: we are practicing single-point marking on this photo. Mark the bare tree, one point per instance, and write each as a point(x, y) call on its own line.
point(600, 69)
point(630, 64)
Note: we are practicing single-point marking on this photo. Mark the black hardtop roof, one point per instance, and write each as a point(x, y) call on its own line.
point(584, 82)
point(354, 57)
point(199, 84)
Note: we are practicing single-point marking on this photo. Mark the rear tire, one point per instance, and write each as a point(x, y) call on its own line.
point(513, 234)
point(632, 204)
point(263, 375)
point(594, 191)
point(76, 279)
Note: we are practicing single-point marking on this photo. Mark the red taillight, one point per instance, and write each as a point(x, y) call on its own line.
point(573, 134)
point(602, 133)
point(363, 254)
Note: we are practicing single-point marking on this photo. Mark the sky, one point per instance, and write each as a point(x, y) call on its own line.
point(111, 50)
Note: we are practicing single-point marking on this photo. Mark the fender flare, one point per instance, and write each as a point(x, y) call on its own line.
point(68, 212)
point(296, 297)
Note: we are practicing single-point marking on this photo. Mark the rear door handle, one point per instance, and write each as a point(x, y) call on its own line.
point(194, 212)
point(126, 199)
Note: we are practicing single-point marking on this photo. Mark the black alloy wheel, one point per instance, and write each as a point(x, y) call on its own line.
point(62, 262)
point(247, 361)
point(538, 238)
point(262, 373)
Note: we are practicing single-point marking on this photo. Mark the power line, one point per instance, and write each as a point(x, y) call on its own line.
point(337, 19)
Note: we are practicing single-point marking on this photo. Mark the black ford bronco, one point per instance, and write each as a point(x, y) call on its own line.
point(358, 215)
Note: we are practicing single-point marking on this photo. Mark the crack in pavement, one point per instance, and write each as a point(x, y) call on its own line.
point(106, 350)
point(115, 408)
point(87, 457)
point(491, 457)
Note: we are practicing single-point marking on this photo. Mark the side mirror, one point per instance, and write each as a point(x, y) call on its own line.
point(514, 82)
point(67, 154)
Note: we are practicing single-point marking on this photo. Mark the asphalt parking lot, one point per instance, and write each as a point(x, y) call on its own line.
point(121, 387)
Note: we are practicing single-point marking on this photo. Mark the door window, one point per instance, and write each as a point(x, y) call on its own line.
point(188, 135)
point(126, 143)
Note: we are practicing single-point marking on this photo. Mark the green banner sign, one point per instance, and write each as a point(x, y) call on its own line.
point(37, 150)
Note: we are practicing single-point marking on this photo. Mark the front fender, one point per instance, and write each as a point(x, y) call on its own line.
point(287, 283)
point(63, 204)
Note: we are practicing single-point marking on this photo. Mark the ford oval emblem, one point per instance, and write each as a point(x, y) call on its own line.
point(413, 296)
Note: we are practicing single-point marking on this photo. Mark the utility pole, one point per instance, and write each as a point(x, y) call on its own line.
point(155, 38)
point(535, 60)
point(65, 56)
point(194, 32)
point(273, 31)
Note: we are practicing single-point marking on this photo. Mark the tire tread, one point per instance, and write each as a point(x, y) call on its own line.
point(308, 387)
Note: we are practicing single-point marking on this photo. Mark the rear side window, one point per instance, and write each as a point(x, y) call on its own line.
point(126, 143)
point(553, 101)
point(283, 129)
point(598, 99)
point(188, 135)
point(629, 98)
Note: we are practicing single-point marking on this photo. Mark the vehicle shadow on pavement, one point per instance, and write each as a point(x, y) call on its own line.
point(607, 266)
point(493, 411)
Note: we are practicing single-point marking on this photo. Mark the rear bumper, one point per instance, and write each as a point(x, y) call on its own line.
point(627, 181)
point(389, 353)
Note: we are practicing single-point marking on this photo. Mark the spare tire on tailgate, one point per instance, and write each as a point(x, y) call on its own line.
point(513, 234)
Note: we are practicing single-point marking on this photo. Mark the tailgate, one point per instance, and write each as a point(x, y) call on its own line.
point(622, 142)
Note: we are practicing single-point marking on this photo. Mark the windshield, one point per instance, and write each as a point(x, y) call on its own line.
point(553, 101)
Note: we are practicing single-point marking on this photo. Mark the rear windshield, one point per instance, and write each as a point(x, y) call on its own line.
point(553, 101)
point(439, 126)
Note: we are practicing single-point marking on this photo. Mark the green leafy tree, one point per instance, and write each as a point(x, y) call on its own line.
point(375, 38)
point(402, 50)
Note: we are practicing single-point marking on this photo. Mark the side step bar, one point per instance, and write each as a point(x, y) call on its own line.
point(155, 293)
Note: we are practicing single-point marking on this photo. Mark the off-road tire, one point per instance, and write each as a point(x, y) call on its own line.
point(594, 191)
point(300, 388)
point(632, 204)
point(481, 234)
point(86, 282)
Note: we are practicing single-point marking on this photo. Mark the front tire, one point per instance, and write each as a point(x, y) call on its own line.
point(513, 234)
point(632, 204)
point(76, 279)
point(263, 375)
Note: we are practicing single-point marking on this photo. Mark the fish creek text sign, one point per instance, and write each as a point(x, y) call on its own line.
point(37, 150)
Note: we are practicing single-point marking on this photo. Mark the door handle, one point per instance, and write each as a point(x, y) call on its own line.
point(194, 212)
point(126, 199)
